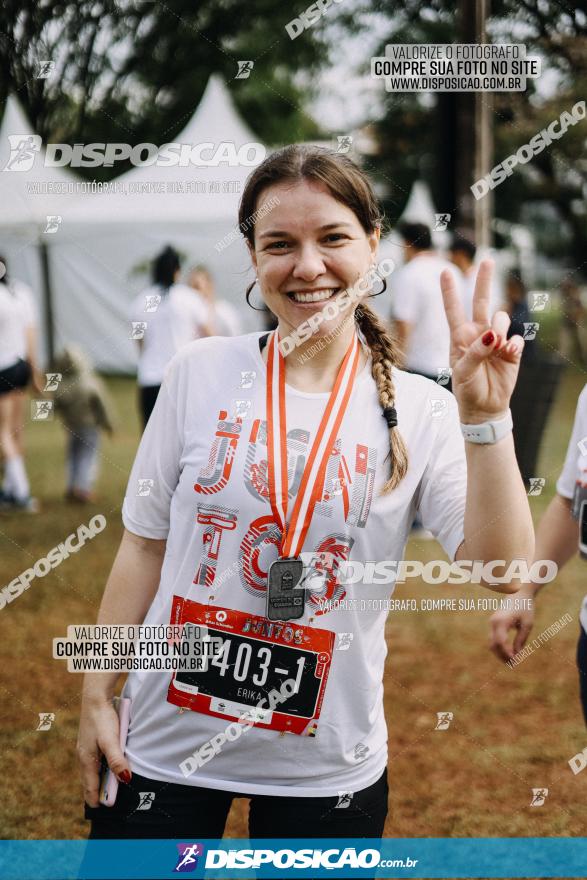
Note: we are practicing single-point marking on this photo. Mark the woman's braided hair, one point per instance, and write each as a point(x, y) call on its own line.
point(350, 186)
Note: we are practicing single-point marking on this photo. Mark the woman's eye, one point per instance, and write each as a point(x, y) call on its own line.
point(278, 245)
point(335, 236)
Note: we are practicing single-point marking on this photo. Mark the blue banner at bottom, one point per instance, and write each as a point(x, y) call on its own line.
point(350, 857)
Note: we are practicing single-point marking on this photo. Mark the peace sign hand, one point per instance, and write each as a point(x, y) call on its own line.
point(484, 362)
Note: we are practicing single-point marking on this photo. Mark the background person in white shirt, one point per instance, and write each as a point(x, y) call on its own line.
point(18, 368)
point(199, 544)
point(462, 253)
point(165, 317)
point(420, 323)
point(557, 539)
point(226, 321)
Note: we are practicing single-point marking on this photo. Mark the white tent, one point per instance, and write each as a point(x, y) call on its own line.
point(30, 190)
point(419, 207)
point(182, 192)
point(100, 259)
point(30, 193)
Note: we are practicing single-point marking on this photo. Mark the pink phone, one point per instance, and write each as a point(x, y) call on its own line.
point(109, 781)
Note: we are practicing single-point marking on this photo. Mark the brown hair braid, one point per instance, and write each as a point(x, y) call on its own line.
point(384, 357)
point(350, 186)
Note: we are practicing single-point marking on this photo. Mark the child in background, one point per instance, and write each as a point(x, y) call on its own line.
point(83, 406)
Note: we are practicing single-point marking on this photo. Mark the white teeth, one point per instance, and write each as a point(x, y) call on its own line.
point(317, 296)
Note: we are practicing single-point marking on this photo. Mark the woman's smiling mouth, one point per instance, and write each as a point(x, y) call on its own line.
point(312, 296)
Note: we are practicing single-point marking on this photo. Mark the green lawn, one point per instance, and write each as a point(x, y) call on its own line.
point(513, 730)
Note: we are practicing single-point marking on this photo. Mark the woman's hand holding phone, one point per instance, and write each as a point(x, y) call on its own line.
point(99, 734)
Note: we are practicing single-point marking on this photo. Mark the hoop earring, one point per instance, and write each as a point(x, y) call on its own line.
point(248, 293)
point(383, 289)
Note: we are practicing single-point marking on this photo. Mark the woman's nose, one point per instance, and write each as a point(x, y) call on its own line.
point(309, 263)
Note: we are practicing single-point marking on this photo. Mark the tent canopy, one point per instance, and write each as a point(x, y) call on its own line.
point(25, 193)
point(151, 193)
point(420, 206)
point(100, 258)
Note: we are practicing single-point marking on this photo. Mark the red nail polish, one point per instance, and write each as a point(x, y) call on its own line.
point(125, 776)
point(488, 338)
point(498, 343)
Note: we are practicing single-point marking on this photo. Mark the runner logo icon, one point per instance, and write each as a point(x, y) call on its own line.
point(188, 857)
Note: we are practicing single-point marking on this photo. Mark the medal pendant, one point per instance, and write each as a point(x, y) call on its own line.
point(284, 601)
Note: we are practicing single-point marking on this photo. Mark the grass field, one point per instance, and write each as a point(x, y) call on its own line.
point(513, 729)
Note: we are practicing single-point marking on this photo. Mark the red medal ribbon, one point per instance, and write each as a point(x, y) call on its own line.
point(314, 474)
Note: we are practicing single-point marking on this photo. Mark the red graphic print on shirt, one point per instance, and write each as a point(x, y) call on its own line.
point(321, 578)
point(216, 474)
point(215, 520)
point(256, 461)
point(263, 534)
point(346, 489)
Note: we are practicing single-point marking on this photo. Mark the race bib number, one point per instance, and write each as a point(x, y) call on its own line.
point(253, 659)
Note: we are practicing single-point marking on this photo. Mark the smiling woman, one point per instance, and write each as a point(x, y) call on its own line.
point(314, 246)
point(255, 460)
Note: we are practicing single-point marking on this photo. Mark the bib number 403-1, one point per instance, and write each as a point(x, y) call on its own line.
point(254, 660)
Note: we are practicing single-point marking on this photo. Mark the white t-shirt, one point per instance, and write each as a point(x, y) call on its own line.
point(14, 318)
point(172, 321)
point(575, 467)
point(207, 473)
point(417, 300)
point(30, 317)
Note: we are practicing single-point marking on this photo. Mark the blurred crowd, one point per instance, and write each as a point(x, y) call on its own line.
point(165, 316)
point(180, 306)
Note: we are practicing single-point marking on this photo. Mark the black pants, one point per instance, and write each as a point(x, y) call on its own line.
point(582, 666)
point(15, 377)
point(182, 811)
point(148, 396)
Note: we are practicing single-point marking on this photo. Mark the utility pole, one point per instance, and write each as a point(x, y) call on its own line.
point(474, 136)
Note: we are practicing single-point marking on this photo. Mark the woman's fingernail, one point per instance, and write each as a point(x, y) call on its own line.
point(488, 338)
point(125, 776)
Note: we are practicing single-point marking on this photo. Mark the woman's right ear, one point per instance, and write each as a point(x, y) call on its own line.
point(252, 254)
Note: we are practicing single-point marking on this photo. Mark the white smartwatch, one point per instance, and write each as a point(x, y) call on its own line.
point(488, 432)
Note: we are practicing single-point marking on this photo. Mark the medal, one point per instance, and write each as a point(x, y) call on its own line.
point(284, 602)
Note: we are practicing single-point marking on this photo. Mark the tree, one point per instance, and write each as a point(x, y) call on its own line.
point(417, 132)
point(135, 71)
